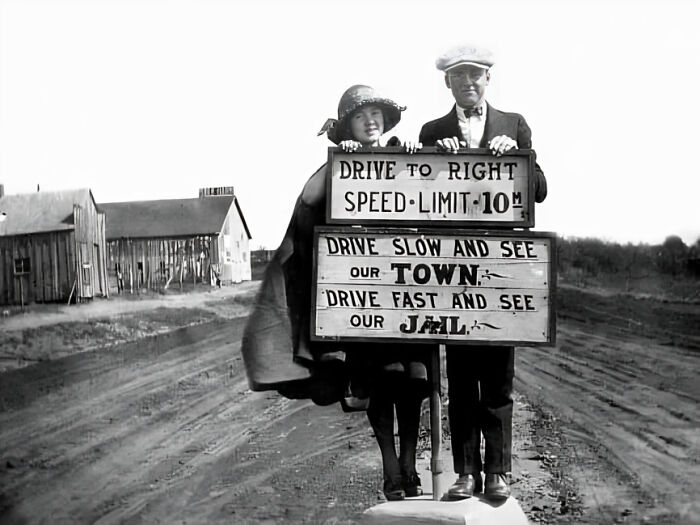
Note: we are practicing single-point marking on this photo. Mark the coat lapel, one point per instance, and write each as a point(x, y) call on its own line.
point(450, 124)
point(497, 123)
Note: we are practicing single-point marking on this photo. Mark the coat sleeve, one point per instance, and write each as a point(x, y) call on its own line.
point(525, 142)
point(427, 135)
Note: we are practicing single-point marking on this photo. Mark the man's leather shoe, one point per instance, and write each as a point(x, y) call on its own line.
point(464, 487)
point(496, 487)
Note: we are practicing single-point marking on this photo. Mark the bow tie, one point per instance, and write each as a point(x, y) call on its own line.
point(474, 112)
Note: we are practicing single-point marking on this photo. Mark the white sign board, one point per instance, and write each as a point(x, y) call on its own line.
point(458, 286)
point(428, 188)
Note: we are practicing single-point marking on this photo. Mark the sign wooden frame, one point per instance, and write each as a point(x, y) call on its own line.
point(549, 238)
point(457, 190)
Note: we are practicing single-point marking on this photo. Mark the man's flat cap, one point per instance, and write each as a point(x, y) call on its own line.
point(465, 55)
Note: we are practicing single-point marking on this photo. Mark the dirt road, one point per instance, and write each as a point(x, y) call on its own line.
point(164, 429)
point(624, 382)
point(158, 432)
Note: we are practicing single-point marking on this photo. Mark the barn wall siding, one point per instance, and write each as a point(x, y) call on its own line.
point(157, 264)
point(61, 262)
point(52, 268)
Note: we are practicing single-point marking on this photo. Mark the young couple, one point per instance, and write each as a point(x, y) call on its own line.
point(395, 376)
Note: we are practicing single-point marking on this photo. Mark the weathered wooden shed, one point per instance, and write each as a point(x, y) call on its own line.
point(52, 247)
point(152, 244)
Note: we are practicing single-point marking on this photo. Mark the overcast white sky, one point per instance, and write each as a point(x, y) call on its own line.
point(151, 99)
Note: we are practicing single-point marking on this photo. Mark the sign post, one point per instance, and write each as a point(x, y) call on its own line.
point(436, 423)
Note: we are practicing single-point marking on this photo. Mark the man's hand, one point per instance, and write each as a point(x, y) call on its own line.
point(499, 145)
point(411, 147)
point(450, 144)
point(348, 146)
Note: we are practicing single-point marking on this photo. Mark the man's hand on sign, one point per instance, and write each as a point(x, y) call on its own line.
point(450, 144)
point(499, 145)
point(348, 146)
point(411, 147)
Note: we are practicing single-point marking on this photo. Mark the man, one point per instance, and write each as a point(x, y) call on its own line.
point(480, 378)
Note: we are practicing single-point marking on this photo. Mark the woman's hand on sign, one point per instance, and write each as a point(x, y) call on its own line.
point(499, 145)
point(411, 147)
point(348, 146)
point(450, 144)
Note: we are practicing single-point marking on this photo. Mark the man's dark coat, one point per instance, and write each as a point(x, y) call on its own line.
point(497, 123)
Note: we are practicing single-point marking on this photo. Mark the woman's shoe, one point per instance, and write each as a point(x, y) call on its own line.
point(395, 495)
point(411, 485)
point(393, 491)
point(413, 492)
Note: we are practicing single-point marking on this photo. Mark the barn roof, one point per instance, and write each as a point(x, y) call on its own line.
point(168, 218)
point(42, 211)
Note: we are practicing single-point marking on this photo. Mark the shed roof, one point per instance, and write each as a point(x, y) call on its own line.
point(42, 211)
point(168, 218)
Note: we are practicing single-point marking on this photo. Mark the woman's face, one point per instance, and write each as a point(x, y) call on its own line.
point(367, 125)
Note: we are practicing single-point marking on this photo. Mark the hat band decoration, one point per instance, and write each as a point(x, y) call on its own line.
point(328, 125)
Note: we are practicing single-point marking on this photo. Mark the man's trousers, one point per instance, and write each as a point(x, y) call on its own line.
point(480, 387)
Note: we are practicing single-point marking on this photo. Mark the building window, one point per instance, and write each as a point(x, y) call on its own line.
point(22, 266)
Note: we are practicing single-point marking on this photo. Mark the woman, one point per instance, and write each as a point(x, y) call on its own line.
point(391, 376)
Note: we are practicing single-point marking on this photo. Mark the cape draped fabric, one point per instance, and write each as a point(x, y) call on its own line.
point(276, 348)
point(277, 351)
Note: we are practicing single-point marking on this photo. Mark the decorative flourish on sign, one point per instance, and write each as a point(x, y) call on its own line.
point(477, 325)
point(489, 275)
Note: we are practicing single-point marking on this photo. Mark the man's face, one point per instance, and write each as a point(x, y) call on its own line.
point(367, 125)
point(468, 84)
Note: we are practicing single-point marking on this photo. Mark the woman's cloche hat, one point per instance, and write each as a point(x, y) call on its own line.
point(353, 99)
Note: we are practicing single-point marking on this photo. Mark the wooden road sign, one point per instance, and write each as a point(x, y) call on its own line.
point(391, 187)
point(462, 286)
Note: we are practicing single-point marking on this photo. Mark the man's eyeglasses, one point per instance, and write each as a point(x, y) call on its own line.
point(471, 74)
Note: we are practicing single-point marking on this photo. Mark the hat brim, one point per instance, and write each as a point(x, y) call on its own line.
point(390, 109)
point(467, 63)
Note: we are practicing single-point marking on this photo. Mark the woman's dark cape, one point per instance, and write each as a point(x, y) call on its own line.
point(277, 351)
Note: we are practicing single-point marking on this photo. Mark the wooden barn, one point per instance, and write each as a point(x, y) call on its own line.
point(52, 247)
point(154, 244)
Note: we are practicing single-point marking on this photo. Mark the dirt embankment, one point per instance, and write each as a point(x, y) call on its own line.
point(165, 429)
point(51, 331)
